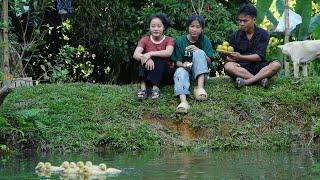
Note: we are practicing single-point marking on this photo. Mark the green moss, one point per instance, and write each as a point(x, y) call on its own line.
point(77, 117)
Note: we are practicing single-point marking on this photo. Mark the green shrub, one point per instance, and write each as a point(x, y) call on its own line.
point(315, 67)
point(317, 127)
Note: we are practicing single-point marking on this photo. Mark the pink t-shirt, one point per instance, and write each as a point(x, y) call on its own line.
point(148, 45)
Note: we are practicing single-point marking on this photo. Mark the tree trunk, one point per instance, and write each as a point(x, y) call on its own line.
point(4, 92)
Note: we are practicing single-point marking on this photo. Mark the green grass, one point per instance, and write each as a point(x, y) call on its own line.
point(81, 117)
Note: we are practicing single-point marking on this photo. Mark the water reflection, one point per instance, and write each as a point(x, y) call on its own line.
point(300, 164)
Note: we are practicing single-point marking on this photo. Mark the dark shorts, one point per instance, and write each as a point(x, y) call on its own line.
point(254, 68)
point(161, 75)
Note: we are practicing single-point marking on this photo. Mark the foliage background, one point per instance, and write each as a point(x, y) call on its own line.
point(96, 41)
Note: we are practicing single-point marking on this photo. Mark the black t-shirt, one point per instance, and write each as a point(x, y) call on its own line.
point(257, 45)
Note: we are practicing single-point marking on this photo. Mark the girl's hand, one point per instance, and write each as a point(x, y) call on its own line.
point(149, 65)
point(187, 66)
point(192, 48)
point(144, 58)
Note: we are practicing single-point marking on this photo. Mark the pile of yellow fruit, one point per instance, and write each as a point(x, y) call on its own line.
point(225, 47)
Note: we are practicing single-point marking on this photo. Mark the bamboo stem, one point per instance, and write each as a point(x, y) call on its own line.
point(286, 35)
point(6, 65)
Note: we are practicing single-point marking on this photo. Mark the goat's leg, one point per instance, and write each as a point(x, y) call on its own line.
point(305, 69)
point(296, 70)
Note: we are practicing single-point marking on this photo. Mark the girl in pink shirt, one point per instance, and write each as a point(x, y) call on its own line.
point(154, 51)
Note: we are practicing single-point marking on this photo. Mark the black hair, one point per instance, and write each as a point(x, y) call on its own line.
point(163, 17)
point(196, 17)
point(248, 10)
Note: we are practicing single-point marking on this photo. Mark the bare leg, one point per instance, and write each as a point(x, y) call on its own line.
point(183, 98)
point(232, 69)
point(143, 85)
point(265, 72)
point(200, 81)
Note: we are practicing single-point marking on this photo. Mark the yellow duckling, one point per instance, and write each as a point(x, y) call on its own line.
point(40, 167)
point(69, 171)
point(73, 165)
point(72, 169)
point(80, 165)
point(91, 166)
point(65, 165)
point(87, 171)
point(103, 167)
point(50, 168)
point(88, 163)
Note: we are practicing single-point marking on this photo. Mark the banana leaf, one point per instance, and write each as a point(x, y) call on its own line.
point(262, 7)
point(314, 22)
point(280, 6)
point(316, 1)
point(316, 33)
point(304, 8)
point(271, 18)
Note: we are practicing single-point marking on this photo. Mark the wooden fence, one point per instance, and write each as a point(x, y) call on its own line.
point(17, 82)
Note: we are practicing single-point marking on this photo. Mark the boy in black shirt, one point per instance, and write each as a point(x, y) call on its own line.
point(247, 64)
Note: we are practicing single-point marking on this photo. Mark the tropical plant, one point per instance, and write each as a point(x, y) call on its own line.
point(304, 8)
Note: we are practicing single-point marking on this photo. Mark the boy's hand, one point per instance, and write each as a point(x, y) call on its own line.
point(235, 56)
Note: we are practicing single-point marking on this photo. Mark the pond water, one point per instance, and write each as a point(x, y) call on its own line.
point(299, 164)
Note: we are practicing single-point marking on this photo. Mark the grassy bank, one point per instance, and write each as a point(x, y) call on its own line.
point(79, 117)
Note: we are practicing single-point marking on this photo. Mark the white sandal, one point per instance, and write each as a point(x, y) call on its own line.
point(182, 108)
point(200, 94)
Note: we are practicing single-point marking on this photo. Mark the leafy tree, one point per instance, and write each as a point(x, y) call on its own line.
point(26, 32)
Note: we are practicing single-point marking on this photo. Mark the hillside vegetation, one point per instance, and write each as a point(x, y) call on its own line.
point(82, 116)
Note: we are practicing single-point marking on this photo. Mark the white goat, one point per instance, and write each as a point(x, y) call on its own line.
point(301, 52)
